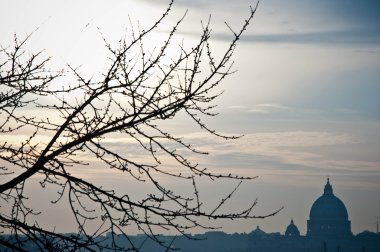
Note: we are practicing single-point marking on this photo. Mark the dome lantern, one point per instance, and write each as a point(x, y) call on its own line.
point(328, 187)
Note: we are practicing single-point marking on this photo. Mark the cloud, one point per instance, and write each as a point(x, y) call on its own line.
point(201, 3)
point(284, 153)
point(295, 21)
point(364, 13)
point(321, 37)
point(267, 108)
point(237, 107)
point(344, 36)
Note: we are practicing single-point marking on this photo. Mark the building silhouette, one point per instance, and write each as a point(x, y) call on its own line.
point(328, 229)
point(328, 216)
point(292, 230)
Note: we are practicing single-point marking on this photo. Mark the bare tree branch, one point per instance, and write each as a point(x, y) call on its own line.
point(140, 88)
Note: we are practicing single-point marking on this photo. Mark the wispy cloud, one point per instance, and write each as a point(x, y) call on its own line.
point(343, 36)
point(289, 152)
point(201, 3)
point(301, 22)
point(267, 108)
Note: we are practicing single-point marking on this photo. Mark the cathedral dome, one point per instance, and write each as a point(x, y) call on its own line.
point(258, 233)
point(328, 206)
point(328, 215)
point(292, 230)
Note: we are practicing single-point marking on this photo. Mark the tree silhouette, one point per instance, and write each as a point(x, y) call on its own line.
point(140, 88)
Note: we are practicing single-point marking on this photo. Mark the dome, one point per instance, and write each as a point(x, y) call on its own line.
point(258, 232)
point(292, 230)
point(328, 206)
point(328, 215)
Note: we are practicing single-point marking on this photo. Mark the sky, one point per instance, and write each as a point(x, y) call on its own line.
point(305, 94)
